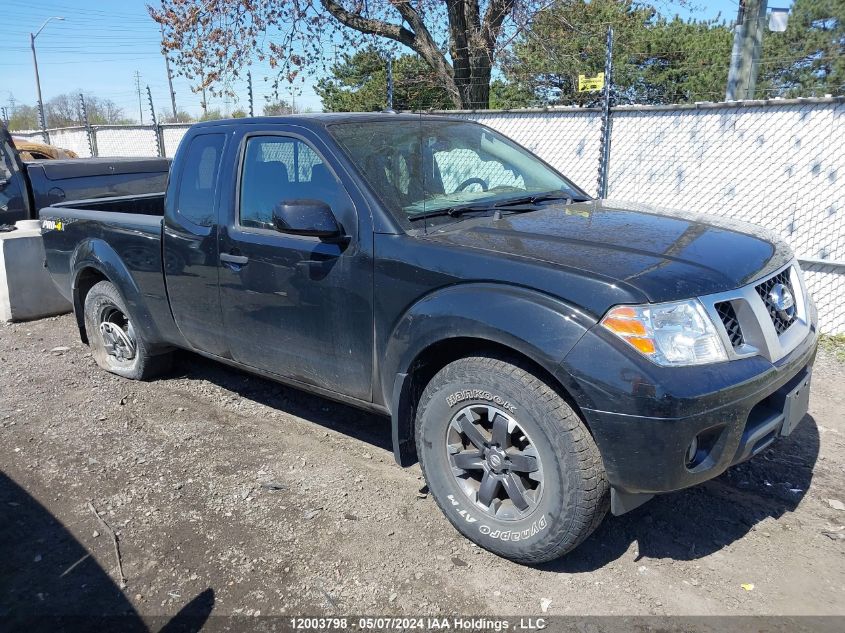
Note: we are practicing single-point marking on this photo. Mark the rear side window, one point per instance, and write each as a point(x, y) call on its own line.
point(195, 200)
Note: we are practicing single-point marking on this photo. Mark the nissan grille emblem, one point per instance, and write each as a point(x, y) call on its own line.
point(783, 301)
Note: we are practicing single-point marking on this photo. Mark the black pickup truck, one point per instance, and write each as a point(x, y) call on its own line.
point(545, 356)
point(26, 186)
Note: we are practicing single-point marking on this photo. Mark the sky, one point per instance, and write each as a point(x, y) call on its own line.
point(100, 45)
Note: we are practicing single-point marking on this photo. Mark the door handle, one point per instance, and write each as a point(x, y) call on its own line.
point(238, 260)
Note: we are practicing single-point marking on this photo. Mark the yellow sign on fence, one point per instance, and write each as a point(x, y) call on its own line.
point(589, 84)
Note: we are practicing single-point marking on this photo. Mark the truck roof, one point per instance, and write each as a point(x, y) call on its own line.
point(327, 118)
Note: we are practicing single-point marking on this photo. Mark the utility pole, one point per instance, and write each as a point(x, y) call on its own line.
point(41, 122)
point(169, 74)
point(745, 56)
point(140, 103)
point(42, 119)
point(5, 115)
point(204, 102)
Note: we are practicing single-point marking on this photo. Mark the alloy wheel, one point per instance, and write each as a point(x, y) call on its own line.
point(494, 462)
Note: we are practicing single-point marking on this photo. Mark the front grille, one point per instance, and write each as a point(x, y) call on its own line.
point(731, 323)
point(780, 321)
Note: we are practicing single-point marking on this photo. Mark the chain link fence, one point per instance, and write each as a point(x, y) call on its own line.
point(778, 163)
point(113, 140)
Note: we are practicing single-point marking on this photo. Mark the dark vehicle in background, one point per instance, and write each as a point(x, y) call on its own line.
point(26, 186)
point(545, 356)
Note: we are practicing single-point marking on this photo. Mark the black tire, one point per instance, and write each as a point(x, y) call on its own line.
point(129, 355)
point(572, 496)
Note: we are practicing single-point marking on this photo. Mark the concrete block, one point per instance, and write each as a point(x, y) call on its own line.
point(26, 289)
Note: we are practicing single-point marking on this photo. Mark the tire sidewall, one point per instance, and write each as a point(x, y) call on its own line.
point(101, 295)
point(446, 397)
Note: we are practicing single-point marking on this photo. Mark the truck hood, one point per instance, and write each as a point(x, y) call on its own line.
point(664, 254)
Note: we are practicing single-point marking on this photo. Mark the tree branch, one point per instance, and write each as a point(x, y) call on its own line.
point(367, 25)
point(496, 13)
point(427, 47)
point(418, 40)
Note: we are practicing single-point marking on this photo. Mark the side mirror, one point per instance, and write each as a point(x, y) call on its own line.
point(306, 217)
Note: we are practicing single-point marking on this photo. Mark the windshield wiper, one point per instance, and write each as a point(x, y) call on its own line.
point(521, 204)
point(538, 197)
point(455, 212)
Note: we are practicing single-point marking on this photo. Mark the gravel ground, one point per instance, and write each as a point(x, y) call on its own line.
point(232, 492)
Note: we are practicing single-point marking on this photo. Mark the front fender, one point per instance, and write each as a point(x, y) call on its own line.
point(533, 324)
point(94, 253)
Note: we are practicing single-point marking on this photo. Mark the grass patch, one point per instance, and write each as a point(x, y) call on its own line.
point(834, 344)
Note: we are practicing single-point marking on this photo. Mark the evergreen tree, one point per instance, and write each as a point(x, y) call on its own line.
point(358, 83)
point(808, 59)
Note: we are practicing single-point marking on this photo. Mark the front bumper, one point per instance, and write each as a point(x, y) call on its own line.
point(644, 418)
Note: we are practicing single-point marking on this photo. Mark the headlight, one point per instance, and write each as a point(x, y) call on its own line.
point(678, 333)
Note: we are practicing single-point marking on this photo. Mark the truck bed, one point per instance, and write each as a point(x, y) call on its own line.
point(89, 178)
point(128, 226)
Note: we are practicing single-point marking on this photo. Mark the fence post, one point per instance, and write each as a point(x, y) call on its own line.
point(92, 143)
point(390, 82)
point(249, 79)
point(606, 121)
point(156, 126)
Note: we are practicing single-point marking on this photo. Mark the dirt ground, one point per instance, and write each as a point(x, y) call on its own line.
point(232, 493)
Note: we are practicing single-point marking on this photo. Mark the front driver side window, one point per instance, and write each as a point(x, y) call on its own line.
point(278, 168)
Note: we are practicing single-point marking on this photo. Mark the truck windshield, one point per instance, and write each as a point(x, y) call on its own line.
point(420, 168)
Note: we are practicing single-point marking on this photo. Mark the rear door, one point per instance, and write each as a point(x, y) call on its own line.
point(295, 305)
point(190, 242)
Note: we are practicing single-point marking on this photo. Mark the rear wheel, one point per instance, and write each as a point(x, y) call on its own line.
point(115, 343)
point(509, 462)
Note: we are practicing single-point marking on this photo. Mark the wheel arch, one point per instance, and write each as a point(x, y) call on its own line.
point(85, 279)
point(522, 326)
point(93, 261)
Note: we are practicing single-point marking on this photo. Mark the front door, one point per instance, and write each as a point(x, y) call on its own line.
point(293, 305)
point(190, 245)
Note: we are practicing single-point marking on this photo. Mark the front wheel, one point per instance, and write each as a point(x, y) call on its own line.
point(115, 343)
point(508, 461)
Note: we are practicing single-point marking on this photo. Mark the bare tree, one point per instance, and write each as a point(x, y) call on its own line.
point(65, 110)
point(279, 108)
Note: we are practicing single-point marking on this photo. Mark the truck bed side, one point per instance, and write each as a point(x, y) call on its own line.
point(87, 241)
point(57, 181)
